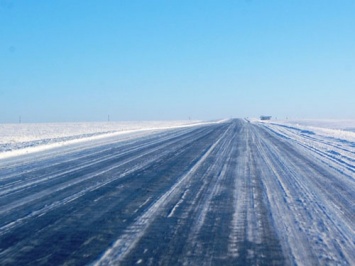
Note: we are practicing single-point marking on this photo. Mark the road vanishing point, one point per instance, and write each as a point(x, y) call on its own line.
point(230, 193)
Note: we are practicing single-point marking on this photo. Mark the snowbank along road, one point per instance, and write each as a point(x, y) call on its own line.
point(233, 193)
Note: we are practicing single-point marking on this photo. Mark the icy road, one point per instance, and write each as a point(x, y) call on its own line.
point(233, 193)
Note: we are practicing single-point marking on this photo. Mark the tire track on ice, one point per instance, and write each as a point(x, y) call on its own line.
point(134, 233)
point(201, 205)
point(252, 239)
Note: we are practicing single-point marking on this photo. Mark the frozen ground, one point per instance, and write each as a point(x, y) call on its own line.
point(17, 139)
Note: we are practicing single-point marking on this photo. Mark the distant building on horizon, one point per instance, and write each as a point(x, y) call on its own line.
point(265, 117)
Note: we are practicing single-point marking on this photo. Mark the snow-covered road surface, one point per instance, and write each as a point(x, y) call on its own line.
point(232, 193)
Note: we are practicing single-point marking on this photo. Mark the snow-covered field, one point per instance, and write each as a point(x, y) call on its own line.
point(344, 129)
point(340, 124)
point(17, 139)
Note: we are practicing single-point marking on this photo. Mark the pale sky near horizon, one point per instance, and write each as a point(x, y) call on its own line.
point(63, 61)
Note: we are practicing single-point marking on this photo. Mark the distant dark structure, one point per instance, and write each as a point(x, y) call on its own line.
point(265, 117)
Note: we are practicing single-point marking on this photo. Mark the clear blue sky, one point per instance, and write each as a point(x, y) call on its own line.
point(71, 60)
